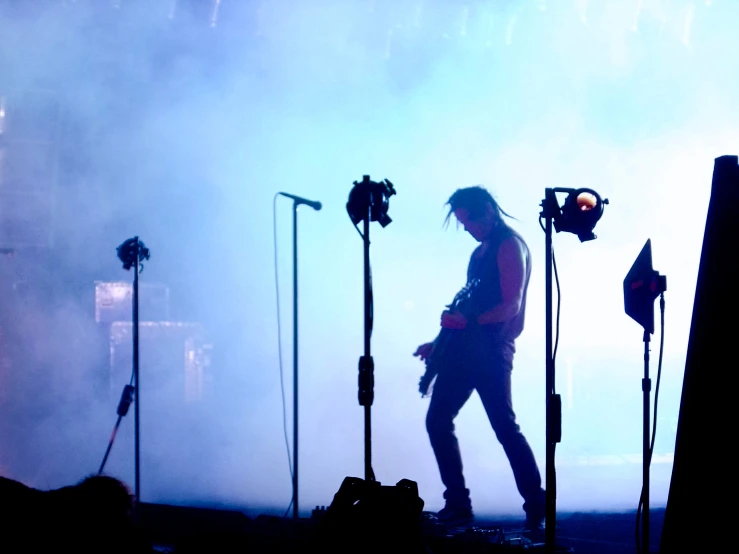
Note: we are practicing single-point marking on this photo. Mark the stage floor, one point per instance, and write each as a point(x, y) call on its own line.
point(183, 529)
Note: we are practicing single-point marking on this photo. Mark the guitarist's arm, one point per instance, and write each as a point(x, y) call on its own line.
point(512, 269)
point(450, 319)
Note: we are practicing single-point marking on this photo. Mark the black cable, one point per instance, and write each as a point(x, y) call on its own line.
point(371, 303)
point(279, 352)
point(110, 445)
point(372, 298)
point(559, 302)
point(127, 396)
point(559, 306)
point(659, 371)
point(654, 423)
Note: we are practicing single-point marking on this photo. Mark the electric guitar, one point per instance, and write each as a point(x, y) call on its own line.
point(444, 341)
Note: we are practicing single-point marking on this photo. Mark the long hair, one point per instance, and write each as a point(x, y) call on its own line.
point(473, 199)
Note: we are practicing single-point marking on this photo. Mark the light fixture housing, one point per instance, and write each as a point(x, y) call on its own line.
point(370, 198)
point(580, 212)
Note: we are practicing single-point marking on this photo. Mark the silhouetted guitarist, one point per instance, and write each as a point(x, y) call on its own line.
point(474, 351)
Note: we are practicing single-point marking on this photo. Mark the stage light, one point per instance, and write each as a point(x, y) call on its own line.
point(581, 211)
point(579, 214)
point(642, 286)
point(586, 201)
point(369, 199)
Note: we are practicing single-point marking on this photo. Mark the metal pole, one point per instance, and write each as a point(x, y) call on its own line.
point(646, 455)
point(369, 383)
point(552, 416)
point(137, 384)
point(295, 360)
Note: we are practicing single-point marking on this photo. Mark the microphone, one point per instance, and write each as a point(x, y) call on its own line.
point(298, 200)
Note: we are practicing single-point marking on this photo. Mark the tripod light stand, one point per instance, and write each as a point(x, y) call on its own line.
point(132, 252)
point(642, 286)
point(368, 201)
point(581, 211)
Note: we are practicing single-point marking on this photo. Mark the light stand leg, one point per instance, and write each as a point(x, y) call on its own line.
point(132, 252)
point(366, 364)
point(646, 454)
point(553, 403)
point(368, 357)
point(137, 384)
point(568, 220)
point(295, 360)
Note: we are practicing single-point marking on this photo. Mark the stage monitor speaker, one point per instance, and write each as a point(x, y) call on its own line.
point(368, 517)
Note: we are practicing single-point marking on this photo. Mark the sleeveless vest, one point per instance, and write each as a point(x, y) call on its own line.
point(488, 294)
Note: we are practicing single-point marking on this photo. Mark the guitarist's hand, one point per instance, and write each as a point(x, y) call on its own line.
point(424, 351)
point(451, 319)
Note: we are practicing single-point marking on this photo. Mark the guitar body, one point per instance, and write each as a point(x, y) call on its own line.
point(444, 344)
point(434, 361)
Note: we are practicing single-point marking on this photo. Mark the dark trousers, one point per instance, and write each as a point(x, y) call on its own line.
point(490, 375)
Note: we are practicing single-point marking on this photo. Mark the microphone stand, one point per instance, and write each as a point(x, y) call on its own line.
point(297, 201)
point(295, 359)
